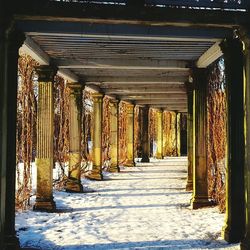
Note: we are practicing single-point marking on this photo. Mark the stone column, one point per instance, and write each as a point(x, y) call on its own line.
point(178, 134)
point(200, 186)
point(164, 135)
point(45, 134)
point(235, 208)
point(2, 119)
point(96, 172)
point(189, 185)
point(73, 183)
point(11, 41)
point(145, 134)
point(245, 243)
point(114, 166)
point(130, 136)
point(159, 134)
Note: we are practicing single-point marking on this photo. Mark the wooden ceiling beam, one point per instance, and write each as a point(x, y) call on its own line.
point(167, 102)
point(133, 79)
point(211, 55)
point(148, 91)
point(154, 96)
point(139, 64)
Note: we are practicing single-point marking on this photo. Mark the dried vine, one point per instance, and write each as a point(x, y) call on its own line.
point(61, 129)
point(26, 129)
point(122, 132)
point(106, 132)
point(183, 131)
point(216, 122)
point(152, 131)
point(87, 128)
point(137, 132)
point(169, 130)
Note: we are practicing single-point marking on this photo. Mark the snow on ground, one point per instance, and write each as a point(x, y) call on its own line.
point(145, 207)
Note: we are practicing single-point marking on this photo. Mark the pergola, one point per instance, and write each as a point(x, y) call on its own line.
point(152, 53)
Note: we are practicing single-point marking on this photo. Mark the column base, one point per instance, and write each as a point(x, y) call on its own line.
point(245, 243)
point(199, 202)
point(114, 169)
point(11, 242)
point(94, 175)
point(129, 164)
point(73, 186)
point(189, 186)
point(159, 157)
point(44, 205)
point(145, 159)
point(232, 234)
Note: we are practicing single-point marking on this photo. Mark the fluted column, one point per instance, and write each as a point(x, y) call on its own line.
point(233, 230)
point(11, 40)
point(96, 172)
point(130, 136)
point(189, 185)
point(178, 134)
point(159, 134)
point(73, 183)
point(145, 134)
point(114, 166)
point(164, 135)
point(200, 186)
point(45, 134)
point(245, 243)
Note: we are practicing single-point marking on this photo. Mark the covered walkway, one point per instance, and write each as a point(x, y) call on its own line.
point(143, 55)
point(145, 207)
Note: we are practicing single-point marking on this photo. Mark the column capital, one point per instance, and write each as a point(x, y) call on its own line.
point(74, 85)
point(15, 37)
point(97, 97)
point(113, 102)
point(197, 72)
point(75, 88)
point(189, 87)
point(145, 108)
point(46, 73)
point(231, 45)
point(130, 107)
point(199, 77)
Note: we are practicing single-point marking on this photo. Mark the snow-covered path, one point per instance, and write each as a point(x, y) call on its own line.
point(145, 207)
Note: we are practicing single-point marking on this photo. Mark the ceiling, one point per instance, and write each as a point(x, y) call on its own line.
point(135, 63)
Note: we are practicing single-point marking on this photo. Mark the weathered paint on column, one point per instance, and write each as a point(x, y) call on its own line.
point(233, 230)
point(11, 41)
point(159, 134)
point(178, 134)
point(45, 134)
point(145, 134)
point(73, 183)
point(245, 243)
point(114, 165)
point(189, 185)
point(200, 186)
point(130, 136)
point(96, 172)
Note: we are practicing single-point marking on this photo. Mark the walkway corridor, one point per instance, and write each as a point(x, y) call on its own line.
point(145, 207)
